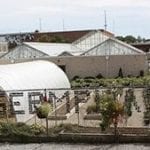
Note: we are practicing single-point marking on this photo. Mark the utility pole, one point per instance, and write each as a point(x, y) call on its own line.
point(40, 24)
point(63, 24)
point(105, 20)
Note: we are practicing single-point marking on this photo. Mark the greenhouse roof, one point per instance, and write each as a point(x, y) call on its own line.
point(53, 49)
point(113, 46)
point(32, 75)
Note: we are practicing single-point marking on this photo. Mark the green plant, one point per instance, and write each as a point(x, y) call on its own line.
point(99, 76)
point(37, 129)
point(97, 100)
point(141, 73)
point(43, 110)
point(75, 77)
point(89, 77)
point(110, 110)
point(19, 129)
point(120, 73)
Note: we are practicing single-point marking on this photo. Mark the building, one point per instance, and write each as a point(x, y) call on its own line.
point(23, 86)
point(145, 47)
point(96, 52)
point(3, 48)
point(15, 39)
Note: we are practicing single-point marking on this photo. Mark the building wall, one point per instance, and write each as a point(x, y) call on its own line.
point(108, 66)
point(3, 48)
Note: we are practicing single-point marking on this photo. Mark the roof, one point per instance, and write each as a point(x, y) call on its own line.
point(143, 46)
point(32, 75)
point(69, 36)
point(113, 46)
point(91, 39)
point(54, 49)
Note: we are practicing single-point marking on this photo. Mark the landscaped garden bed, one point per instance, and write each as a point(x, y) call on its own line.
point(146, 96)
point(22, 133)
point(110, 82)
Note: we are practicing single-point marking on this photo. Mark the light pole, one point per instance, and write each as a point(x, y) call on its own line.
point(107, 63)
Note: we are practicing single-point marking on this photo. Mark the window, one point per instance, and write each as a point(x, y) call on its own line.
point(17, 103)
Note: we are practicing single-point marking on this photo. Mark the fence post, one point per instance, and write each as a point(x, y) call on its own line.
point(77, 105)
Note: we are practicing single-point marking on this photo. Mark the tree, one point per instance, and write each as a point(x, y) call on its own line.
point(121, 38)
point(58, 39)
point(130, 39)
point(139, 39)
point(111, 111)
point(44, 38)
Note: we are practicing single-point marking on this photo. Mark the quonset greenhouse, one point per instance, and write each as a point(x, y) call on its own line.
point(23, 85)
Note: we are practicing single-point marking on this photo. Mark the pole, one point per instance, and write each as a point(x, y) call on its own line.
point(78, 118)
point(77, 105)
point(55, 112)
point(34, 109)
point(47, 125)
point(7, 112)
point(105, 20)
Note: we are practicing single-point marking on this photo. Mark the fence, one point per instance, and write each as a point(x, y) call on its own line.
point(69, 106)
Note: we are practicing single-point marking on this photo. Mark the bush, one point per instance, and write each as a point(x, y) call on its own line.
point(96, 82)
point(75, 77)
point(43, 110)
point(16, 129)
point(141, 73)
point(89, 77)
point(120, 73)
point(99, 76)
point(37, 129)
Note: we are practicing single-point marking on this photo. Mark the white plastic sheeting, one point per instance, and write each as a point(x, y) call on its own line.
point(29, 77)
point(32, 75)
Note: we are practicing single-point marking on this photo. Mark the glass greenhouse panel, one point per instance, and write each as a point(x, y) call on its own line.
point(112, 47)
point(90, 40)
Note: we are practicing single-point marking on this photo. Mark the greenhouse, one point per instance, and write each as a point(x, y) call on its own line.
point(112, 46)
point(33, 50)
point(24, 84)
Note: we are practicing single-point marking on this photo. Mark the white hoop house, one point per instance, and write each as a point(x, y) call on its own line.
point(24, 85)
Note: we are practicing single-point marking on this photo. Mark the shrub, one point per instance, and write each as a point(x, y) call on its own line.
point(43, 110)
point(120, 73)
point(75, 77)
point(37, 129)
point(15, 129)
point(141, 73)
point(99, 76)
point(89, 77)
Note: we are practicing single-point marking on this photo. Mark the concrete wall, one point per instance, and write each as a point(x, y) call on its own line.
point(108, 66)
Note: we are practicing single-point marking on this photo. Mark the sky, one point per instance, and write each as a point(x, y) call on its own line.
point(124, 17)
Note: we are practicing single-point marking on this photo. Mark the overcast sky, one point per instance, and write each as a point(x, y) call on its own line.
point(124, 17)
